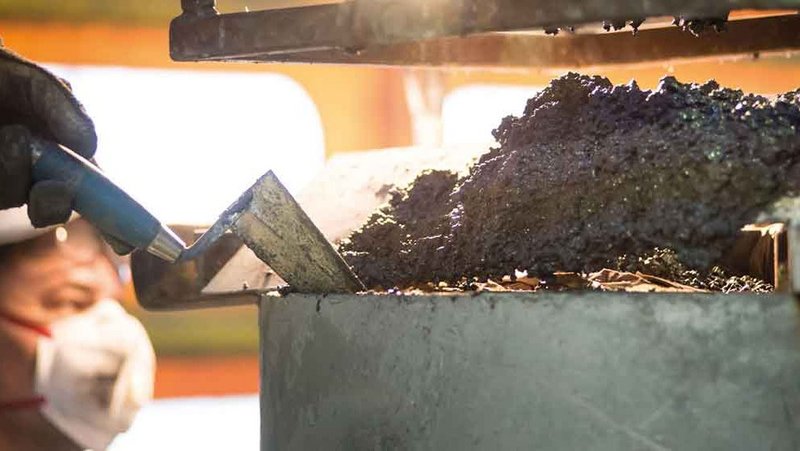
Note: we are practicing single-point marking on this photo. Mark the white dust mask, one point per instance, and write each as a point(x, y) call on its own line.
point(95, 372)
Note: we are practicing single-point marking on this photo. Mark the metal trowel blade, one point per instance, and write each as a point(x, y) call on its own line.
point(274, 226)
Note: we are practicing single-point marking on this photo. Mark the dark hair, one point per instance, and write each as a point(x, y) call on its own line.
point(10, 250)
point(5, 252)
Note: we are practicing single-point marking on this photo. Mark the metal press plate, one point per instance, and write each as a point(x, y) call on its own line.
point(471, 32)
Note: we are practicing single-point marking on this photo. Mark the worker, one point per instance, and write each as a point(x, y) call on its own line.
point(74, 366)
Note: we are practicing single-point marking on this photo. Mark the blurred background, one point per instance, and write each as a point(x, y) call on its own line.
point(187, 138)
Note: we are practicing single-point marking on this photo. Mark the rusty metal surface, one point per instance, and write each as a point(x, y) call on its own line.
point(373, 31)
point(743, 39)
point(281, 234)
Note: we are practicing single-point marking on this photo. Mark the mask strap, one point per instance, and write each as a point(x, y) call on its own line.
point(35, 402)
point(22, 404)
point(38, 328)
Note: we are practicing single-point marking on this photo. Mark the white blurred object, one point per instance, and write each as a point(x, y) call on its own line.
point(366, 180)
point(95, 372)
point(186, 144)
point(197, 424)
point(470, 113)
point(15, 226)
point(425, 90)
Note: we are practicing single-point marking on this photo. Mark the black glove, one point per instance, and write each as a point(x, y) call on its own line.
point(34, 101)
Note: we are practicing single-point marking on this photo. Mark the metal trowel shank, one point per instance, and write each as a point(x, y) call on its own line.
point(272, 224)
point(268, 220)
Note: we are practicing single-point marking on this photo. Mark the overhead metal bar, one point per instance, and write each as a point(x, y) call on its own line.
point(750, 38)
point(436, 32)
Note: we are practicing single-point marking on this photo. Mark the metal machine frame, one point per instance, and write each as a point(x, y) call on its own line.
point(502, 370)
point(496, 33)
point(571, 370)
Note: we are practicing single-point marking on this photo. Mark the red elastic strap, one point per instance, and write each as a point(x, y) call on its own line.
point(28, 403)
point(38, 328)
point(19, 404)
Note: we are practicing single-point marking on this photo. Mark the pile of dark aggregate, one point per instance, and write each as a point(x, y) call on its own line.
point(588, 173)
point(665, 263)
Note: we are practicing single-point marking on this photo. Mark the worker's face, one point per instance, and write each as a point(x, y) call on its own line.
point(54, 276)
point(62, 273)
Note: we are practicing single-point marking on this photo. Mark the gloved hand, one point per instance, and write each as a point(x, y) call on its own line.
point(35, 102)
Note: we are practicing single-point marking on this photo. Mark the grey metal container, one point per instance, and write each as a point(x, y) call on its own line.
point(531, 371)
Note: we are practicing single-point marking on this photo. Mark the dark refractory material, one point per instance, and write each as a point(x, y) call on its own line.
point(590, 172)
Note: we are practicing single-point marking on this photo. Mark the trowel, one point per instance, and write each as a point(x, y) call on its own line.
point(266, 218)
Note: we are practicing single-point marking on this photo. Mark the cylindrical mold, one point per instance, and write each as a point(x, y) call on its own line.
point(531, 371)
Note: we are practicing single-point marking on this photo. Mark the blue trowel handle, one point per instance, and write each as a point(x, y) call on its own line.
point(102, 203)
